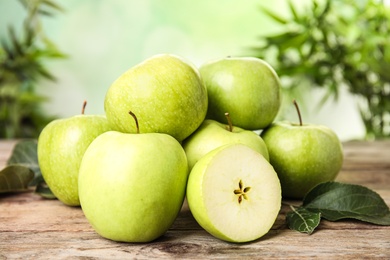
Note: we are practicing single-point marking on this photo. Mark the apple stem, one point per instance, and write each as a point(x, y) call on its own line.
point(227, 115)
point(136, 121)
point(298, 111)
point(83, 108)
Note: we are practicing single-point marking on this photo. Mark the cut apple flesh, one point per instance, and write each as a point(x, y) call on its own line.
point(234, 193)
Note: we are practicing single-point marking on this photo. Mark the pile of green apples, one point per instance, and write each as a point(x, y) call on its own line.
point(173, 131)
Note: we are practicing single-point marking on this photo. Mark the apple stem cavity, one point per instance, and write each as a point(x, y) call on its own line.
point(298, 111)
point(136, 120)
point(83, 108)
point(227, 115)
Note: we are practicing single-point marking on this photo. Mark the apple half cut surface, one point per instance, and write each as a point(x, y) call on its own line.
point(234, 193)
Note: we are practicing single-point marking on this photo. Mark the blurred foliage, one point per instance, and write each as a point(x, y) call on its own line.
point(21, 67)
point(335, 43)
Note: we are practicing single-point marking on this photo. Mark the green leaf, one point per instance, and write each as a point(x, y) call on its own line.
point(303, 220)
point(53, 5)
point(274, 16)
point(7, 50)
point(284, 37)
point(325, 10)
point(15, 43)
point(43, 190)
point(15, 178)
point(25, 154)
point(337, 201)
point(293, 11)
point(25, 157)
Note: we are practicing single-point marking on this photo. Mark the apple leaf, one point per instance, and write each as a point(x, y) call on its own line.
point(22, 163)
point(25, 154)
point(15, 178)
point(335, 201)
point(43, 190)
point(302, 220)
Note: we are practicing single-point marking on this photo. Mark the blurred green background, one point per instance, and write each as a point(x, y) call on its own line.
point(102, 39)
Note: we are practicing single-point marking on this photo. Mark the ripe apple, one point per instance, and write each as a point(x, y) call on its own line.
point(132, 186)
point(303, 155)
point(234, 193)
point(61, 146)
point(165, 91)
point(212, 134)
point(248, 88)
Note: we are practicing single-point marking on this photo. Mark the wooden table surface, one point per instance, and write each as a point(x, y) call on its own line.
point(35, 228)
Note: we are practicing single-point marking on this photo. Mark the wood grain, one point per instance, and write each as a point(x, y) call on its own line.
point(35, 228)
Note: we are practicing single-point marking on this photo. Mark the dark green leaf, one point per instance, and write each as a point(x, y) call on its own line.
point(337, 201)
point(45, 73)
point(7, 50)
point(25, 154)
point(29, 34)
point(15, 43)
point(303, 220)
point(43, 190)
point(14, 178)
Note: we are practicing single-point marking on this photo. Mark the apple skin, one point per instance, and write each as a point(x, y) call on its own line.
point(132, 186)
point(303, 156)
point(212, 134)
point(61, 146)
point(213, 203)
point(248, 88)
point(165, 92)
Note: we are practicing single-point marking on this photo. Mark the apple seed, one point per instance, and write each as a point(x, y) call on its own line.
point(241, 191)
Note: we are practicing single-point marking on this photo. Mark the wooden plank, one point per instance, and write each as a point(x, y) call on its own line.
point(35, 228)
point(196, 244)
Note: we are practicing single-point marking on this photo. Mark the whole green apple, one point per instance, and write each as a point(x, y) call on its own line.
point(212, 134)
point(165, 91)
point(303, 155)
point(247, 87)
point(132, 186)
point(234, 193)
point(61, 146)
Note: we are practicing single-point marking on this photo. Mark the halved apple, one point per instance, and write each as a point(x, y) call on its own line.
point(234, 193)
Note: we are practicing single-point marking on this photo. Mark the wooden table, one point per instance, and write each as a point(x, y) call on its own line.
point(34, 228)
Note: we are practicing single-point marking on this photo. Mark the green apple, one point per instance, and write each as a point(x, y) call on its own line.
point(248, 88)
point(234, 193)
point(132, 186)
point(165, 91)
point(61, 146)
point(303, 155)
point(212, 134)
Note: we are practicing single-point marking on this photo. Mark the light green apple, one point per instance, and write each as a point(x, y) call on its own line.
point(303, 155)
point(132, 186)
point(165, 91)
point(234, 193)
point(212, 134)
point(61, 146)
point(247, 87)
